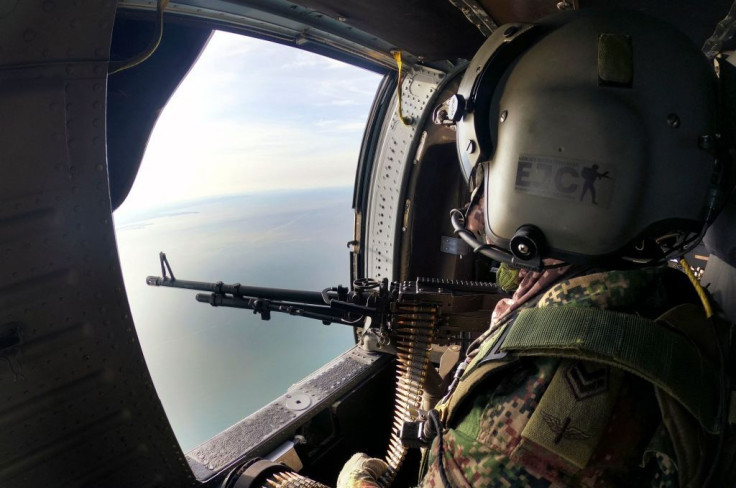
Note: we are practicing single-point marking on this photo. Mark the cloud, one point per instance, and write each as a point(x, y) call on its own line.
point(256, 116)
point(342, 125)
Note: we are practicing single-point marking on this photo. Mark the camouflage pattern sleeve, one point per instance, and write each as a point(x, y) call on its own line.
point(509, 435)
point(476, 451)
point(490, 446)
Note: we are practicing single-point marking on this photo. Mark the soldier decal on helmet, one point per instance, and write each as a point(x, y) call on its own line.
point(591, 175)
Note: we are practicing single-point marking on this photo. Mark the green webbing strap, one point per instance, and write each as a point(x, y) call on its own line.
point(641, 346)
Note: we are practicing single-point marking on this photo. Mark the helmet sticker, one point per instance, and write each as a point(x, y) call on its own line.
point(585, 182)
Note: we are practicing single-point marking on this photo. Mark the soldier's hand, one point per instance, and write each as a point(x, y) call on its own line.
point(361, 471)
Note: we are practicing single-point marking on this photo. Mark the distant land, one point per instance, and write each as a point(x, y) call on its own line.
point(214, 366)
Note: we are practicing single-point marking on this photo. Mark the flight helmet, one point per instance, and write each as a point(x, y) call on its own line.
point(596, 137)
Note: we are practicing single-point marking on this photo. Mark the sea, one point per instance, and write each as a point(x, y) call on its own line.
point(215, 366)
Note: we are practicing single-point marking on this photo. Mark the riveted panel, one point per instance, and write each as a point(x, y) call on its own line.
point(393, 162)
point(77, 405)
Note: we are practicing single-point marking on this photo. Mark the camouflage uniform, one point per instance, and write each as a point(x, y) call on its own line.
point(491, 446)
point(509, 431)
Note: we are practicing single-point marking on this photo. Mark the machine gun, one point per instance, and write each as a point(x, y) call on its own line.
point(407, 319)
point(459, 310)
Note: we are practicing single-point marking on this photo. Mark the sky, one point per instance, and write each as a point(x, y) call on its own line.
point(255, 116)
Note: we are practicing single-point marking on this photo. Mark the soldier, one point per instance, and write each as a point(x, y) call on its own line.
point(590, 176)
point(605, 367)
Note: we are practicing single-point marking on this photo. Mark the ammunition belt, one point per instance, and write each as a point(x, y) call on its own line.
point(414, 326)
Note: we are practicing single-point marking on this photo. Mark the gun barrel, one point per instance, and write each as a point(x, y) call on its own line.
point(237, 290)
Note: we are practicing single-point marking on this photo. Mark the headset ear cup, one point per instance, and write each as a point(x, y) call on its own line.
point(528, 243)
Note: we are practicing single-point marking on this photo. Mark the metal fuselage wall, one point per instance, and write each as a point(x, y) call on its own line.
point(78, 407)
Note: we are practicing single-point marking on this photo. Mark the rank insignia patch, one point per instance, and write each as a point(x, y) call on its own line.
point(587, 379)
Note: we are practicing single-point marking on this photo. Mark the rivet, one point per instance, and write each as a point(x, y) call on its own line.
point(673, 121)
point(523, 249)
point(564, 5)
point(706, 142)
point(504, 114)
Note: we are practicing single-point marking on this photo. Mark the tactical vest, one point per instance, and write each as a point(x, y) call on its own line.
point(677, 354)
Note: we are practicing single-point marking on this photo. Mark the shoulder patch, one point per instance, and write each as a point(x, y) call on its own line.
point(574, 411)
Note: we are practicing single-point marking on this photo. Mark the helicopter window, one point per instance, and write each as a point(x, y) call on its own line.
point(247, 178)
